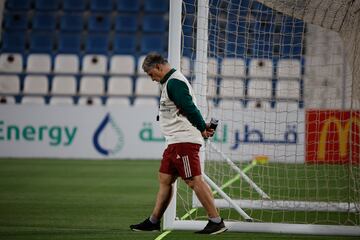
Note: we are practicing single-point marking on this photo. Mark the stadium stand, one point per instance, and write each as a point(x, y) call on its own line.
point(99, 45)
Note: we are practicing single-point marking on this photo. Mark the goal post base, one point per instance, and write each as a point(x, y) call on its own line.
point(279, 228)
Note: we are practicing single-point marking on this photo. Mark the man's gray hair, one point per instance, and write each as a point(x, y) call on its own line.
point(152, 59)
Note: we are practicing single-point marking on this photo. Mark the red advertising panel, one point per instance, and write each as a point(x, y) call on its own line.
point(332, 136)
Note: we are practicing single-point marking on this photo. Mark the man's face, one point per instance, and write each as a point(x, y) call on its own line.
point(156, 73)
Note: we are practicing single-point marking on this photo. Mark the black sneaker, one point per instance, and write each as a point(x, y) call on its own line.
point(213, 228)
point(146, 225)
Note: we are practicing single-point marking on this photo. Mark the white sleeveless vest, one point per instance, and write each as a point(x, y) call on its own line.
point(176, 127)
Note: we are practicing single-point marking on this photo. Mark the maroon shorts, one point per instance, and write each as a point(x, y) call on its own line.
point(181, 159)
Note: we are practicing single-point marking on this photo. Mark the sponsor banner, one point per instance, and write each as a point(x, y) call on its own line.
point(332, 136)
point(133, 133)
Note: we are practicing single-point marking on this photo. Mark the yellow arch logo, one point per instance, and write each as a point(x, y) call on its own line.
point(343, 135)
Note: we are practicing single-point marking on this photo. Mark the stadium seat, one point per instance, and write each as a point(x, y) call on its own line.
point(69, 42)
point(159, 6)
point(261, 68)
point(289, 68)
point(116, 101)
point(259, 105)
point(212, 88)
point(185, 66)
point(288, 89)
point(61, 101)
point(125, 44)
point(11, 62)
point(14, 41)
point(122, 86)
point(140, 61)
point(188, 25)
point(47, 5)
point(286, 107)
point(74, 5)
point(231, 88)
point(233, 67)
point(259, 88)
point(126, 23)
point(146, 87)
point(43, 21)
point(148, 102)
point(188, 44)
point(38, 63)
point(66, 63)
point(154, 23)
point(212, 67)
point(128, 6)
point(235, 47)
point(227, 108)
point(90, 101)
point(97, 43)
point(7, 100)
point(36, 84)
point(99, 22)
point(122, 64)
point(18, 5)
point(32, 100)
point(41, 42)
point(152, 42)
point(9, 84)
point(15, 21)
point(92, 85)
point(72, 22)
point(63, 85)
point(101, 5)
point(189, 6)
point(94, 64)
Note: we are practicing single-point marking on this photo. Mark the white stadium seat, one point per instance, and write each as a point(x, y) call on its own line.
point(115, 101)
point(288, 89)
point(120, 86)
point(151, 102)
point(64, 85)
point(289, 68)
point(32, 100)
point(259, 88)
point(9, 84)
point(122, 64)
point(146, 87)
point(233, 67)
point(231, 88)
point(92, 85)
point(11, 62)
point(261, 68)
point(36, 84)
point(185, 66)
point(38, 63)
point(94, 64)
point(66, 63)
point(140, 61)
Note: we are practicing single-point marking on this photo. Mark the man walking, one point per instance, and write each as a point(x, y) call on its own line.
point(184, 129)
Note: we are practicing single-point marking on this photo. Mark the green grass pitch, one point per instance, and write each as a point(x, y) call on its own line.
point(77, 199)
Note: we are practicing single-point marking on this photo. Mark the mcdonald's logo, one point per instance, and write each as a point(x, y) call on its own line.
point(332, 136)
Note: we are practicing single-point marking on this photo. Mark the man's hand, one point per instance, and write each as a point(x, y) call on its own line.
point(208, 132)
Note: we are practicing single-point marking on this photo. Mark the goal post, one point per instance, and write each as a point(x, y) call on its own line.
point(286, 153)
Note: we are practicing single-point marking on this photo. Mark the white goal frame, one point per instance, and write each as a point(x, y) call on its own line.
point(171, 220)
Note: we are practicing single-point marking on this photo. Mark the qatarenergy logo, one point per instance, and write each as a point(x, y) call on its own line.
point(52, 135)
point(108, 121)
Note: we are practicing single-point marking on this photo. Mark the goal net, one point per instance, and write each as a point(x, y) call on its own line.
point(281, 78)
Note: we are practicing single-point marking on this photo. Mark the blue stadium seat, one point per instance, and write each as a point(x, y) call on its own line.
point(44, 21)
point(14, 41)
point(18, 5)
point(126, 23)
point(69, 42)
point(152, 42)
point(74, 5)
point(97, 43)
point(125, 43)
point(189, 24)
point(101, 5)
point(128, 6)
point(263, 46)
point(99, 23)
point(189, 6)
point(154, 23)
point(152, 6)
point(72, 22)
point(238, 7)
point(41, 42)
point(15, 21)
point(47, 5)
point(188, 45)
point(262, 12)
point(235, 47)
